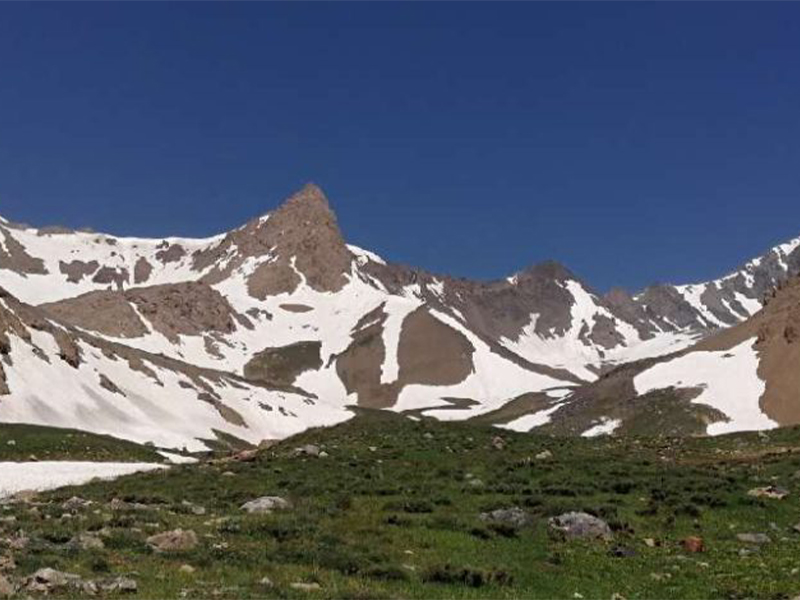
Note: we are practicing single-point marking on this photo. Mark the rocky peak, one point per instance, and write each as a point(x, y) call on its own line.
point(300, 240)
point(549, 270)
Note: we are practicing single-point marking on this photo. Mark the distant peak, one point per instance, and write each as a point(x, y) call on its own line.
point(310, 193)
point(549, 269)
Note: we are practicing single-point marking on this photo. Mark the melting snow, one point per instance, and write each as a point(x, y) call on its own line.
point(606, 426)
point(48, 475)
point(729, 380)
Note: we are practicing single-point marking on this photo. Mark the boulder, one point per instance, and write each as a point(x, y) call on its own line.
point(266, 504)
point(178, 540)
point(513, 517)
point(580, 525)
point(47, 580)
point(308, 450)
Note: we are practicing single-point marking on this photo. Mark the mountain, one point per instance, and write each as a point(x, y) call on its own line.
point(284, 303)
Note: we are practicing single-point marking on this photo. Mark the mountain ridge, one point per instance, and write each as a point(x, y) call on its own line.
point(371, 332)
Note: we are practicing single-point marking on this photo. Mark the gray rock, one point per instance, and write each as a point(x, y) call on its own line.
point(266, 504)
point(544, 455)
point(753, 538)
point(266, 582)
point(75, 503)
point(308, 450)
point(47, 580)
point(580, 525)
point(514, 517)
point(178, 540)
point(120, 585)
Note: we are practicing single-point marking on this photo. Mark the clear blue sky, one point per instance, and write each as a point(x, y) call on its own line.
point(633, 142)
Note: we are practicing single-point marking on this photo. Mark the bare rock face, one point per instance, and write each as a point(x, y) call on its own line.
point(118, 277)
point(171, 309)
point(142, 271)
point(302, 239)
point(14, 257)
point(282, 365)
point(184, 309)
point(429, 352)
point(168, 253)
point(109, 313)
point(78, 269)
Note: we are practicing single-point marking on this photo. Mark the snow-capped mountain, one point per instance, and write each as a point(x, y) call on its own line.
point(284, 302)
point(746, 377)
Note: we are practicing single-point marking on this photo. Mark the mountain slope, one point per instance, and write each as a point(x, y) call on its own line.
point(745, 377)
point(51, 374)
point(285, 298)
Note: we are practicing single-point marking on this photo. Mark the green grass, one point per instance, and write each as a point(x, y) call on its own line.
point(33, 442)
point(402, 521)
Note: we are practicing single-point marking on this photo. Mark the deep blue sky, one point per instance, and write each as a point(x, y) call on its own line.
point(633, 142)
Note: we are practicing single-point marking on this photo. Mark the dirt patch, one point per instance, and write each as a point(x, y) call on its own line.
point(283, 365)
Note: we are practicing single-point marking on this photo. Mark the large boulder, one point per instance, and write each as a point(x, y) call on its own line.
point(266, 505)
point(178, 540)
point(580, 526)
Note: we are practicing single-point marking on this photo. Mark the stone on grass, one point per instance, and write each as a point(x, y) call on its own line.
point(771, 492)
point(47, 580)
point(753, 538)
point(266, 504)
point(120, 585)
point(178, 540)
point(75, 503)
point(308, 450)
point(513, 517)
point(580, 525)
